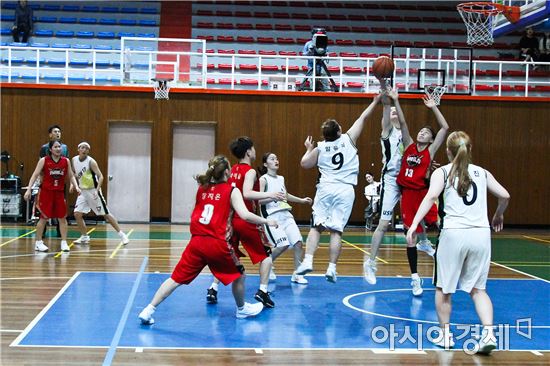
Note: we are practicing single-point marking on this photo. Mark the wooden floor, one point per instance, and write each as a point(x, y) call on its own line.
point(29, 281)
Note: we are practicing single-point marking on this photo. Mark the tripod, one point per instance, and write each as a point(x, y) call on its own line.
point(323, 66)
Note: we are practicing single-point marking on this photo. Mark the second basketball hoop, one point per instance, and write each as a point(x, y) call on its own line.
point(161, 87)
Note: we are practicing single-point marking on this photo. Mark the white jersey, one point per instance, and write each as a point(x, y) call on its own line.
point(84, 175)
point(392, 152)
point(338, 161)
point(274, 184)
point(469, 211)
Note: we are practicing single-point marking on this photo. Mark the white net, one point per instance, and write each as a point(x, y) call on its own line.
point(435, 92)
point(162, 89)
point(478, 18)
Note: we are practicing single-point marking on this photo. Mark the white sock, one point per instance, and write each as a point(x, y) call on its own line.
point(415, 276)
point(121, 234)
point(332, 266)
point(63, 242)
point(263, 288)
point(151, 307)
point(214, 286)
point(39, 242)
point(308, 258)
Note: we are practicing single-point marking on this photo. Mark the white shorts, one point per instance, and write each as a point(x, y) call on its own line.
point(91, 199)
point(332, 205)
point(287, 233)
point(389, 195)
point(463, 259)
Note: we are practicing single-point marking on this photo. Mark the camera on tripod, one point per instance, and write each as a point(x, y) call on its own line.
point(319, 41)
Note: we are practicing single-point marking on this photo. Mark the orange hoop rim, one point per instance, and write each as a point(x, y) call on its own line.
point(486, 8)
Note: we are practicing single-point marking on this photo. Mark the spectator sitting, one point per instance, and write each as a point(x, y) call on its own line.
point(529, 46)
point(544, 48)
point(23, 21)
point(372, 194)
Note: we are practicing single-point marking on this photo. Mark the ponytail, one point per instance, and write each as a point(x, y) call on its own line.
point(459, 145)
point(215, 172)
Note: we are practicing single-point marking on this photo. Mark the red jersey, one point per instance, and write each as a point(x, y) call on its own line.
point(238, 171)
point(414, 168)
point(212, 210)
point(54, 173)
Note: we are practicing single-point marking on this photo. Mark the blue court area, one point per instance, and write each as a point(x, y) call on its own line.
point(349, 314)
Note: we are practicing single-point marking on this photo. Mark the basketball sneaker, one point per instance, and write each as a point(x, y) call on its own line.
point(416, 284)
point(211, 296)
point(426, 246)
point(249, 310)
point(84, 239)
point(40, 247)
point(330, 275)
point(272, 275)
point(444, 340)
point(486, 344)
point(369, 271)
point(123, 238)
point(264, 298)
point(304, 268)
point(64, 246)
point(146, 315)
point(299, 279)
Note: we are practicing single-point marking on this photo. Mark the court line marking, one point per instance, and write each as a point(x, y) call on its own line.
point(364, 251)
point(72, 243)
point(11, 330)
point(124, 318)
point(19, 237)
point(120, 245)
point(346, 302)
point(537, 239)
point(537, 353)
point(43, 312)
point(518, 271)
point(32, 278)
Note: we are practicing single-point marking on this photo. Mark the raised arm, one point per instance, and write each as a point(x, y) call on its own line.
point(355, 129)
point(238, 205)
point(386, 116)
point(309, 159)
point(405, 134)
point(34, 176)
point(443, 126)
point(250, 194)
point(497, 190)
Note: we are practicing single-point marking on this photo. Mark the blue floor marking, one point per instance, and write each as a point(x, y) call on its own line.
point(305, 317)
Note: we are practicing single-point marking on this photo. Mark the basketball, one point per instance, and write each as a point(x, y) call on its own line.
point(383, 67)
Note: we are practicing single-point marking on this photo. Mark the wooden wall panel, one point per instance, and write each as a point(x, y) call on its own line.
point(510, 138)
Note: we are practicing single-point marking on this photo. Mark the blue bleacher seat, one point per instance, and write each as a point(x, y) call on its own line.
point(53, 77)
point(8, 17)
point(51, 7)
point(18, 44)
point(125, 34)
point(90, 9)
point(79, 62)
point(47, 20)
point(9, 6)
point(102, 63)
point(127, 22)
point(56, 61)
point(73, 8)
point(27, 76)
point(3, 43)
point(78, 78)
point(102, 47)
point(68, 20)
point(82, 46)
point(143, 48)
point(66, 34)
point(148, 11)
point(5, 31)
point(35, 7)
point(105, 35)
point(146, 35)
point(85, 34)
point(60, 45)
point(115, 64)
point(107, 21)
point(39, 45)
point(43, 33)
point(109, 9)
point(114, 79)
point(14, 60)
point(87, 20)
point(31, 61)
point(129, 10)
point(14, 75)
point(148, 23)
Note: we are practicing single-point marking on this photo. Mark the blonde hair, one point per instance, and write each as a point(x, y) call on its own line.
point(460, 147)
point(215, 172)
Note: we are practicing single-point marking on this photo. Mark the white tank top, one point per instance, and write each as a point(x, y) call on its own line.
point(392, 152)
point(338, 161)
point(274, 184)
point(84, 175)
point(471, 210)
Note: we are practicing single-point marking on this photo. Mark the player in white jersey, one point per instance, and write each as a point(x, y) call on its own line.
point(463, 254)
point(287, 233)
point(89, 179)
point(338, 163)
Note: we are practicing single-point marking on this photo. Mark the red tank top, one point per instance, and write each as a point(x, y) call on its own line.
point(54, 173)
point(238, 171)
point(414, 168)
point(212, 210)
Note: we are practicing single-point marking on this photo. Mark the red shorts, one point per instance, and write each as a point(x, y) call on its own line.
point(51, 204)
point(253, 239)
point(203, 251)
point(410, 202)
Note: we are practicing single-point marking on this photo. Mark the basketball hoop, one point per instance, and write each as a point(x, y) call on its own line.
point(161, 87)
point(435, 92)
point(479, 16)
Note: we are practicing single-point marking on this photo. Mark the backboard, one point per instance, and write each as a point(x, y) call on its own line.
point(531, 12)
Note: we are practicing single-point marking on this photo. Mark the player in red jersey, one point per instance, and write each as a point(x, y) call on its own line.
point(215, 200)
point(413, 180)
point(251, 236)
point(55, 168)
